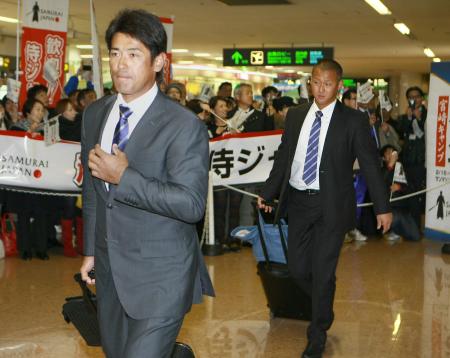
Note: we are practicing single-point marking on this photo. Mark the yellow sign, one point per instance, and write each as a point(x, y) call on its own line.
point(257, 57)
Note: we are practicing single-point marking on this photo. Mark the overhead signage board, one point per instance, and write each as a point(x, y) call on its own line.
point(276, 56)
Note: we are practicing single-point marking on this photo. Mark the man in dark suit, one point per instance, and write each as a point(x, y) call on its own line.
point(145, 161)
point(312, 177)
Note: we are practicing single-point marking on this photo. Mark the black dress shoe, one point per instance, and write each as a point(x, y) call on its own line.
point(26, 255)
point(42, 256)
point(313, 350)
point(225, 248)
point(235, 246)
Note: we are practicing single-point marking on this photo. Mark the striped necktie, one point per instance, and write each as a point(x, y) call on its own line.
point(121, 132)
point(310, 167)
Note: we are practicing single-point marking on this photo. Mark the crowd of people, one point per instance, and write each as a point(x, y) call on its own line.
point(231, 110)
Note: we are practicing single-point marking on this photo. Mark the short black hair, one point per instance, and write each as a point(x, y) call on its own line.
point(213, 101)
point(142, 26)
point(223, 84)
point(348, 94)
point(194, 105)
point(266, 90)
point(280, 103)
point(82, 94)
point(33, 91)
point(386, 147)
point(29, 104)
point(414, 88)
point(330, 65)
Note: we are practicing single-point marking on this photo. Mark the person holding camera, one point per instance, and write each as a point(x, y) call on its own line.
point(412, 130)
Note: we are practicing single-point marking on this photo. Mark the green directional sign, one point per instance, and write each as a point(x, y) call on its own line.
point(276, 56)
point(237, 57)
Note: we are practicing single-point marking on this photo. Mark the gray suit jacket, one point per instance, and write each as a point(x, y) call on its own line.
point(147, 222)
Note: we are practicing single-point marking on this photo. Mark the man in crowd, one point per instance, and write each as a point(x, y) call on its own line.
point(246, 118)
point(281, 106)
point(349, 98)
point(411, 128)
point(312, 177)
point(145, 161)
point(225, 90)
point(85, 97)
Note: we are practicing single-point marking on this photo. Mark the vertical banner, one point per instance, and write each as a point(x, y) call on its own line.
point(97, 59)
point(168, 26)
point(437, 219)
point(44, 46)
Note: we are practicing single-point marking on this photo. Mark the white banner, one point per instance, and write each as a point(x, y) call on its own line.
point(437, 223)
point(27, 163)
point(243, 158)
point(46, 14)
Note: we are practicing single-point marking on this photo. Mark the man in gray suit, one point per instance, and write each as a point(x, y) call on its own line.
point(145, 162)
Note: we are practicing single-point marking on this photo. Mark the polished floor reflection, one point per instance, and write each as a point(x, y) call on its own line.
point(392, 301)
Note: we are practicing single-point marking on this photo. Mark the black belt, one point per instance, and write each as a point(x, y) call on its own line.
point(307, 191)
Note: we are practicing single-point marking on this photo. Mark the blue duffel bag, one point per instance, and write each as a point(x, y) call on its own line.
point(271, 239)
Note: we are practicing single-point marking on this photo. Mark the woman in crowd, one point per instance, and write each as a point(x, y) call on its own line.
point(27, 206)
point(223, 197)
point(11, 112)
point(174, 91)
point(218, 126)
point(70, 129)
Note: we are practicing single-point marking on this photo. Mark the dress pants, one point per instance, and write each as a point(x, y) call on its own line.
point(121, 335)
point(313, 253)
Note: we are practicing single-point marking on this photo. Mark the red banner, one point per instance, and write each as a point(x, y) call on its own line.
point(42, 62)
point(441, 130)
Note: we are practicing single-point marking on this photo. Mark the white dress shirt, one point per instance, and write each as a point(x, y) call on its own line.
point(138, 106)
point(300, 152)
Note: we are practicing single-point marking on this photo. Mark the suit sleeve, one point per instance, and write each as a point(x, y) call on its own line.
point(368, 158)
point(273, 184)
point(183, 195)
point(89, 196)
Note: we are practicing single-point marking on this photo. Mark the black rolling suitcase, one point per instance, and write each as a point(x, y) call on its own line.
point(285, 299)
point(82, 312)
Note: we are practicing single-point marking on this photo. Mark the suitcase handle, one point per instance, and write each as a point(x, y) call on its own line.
point(262, 238)
point(87, 293)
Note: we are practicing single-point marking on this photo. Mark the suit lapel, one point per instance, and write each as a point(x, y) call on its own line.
point(145, 130)
point(147, 125)
point(334, 131)
point(295, 133)
point(104, 114)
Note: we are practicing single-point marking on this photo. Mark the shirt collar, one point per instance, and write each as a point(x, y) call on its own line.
point(142, 101)
point(327, 111)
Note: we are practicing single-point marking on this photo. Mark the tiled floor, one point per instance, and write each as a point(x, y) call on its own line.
point(392, 301)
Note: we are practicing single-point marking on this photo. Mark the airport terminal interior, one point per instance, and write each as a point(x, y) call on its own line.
point(392, 295)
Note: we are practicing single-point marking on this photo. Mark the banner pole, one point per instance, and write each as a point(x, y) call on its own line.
point(211, 248)
point(18, 40)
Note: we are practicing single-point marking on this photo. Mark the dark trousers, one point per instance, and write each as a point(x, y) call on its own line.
point(313, 254)
point(121, 335)
point(416, 176)
point(221, 200)
point(31, 235)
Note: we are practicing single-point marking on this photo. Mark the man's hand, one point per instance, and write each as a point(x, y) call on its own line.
point(262, 205)
point(385, 221)
point(107, 167)
point(86, 266)
point(418, 113)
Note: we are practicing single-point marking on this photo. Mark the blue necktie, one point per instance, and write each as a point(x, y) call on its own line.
point(121, 132)
point(310, 167)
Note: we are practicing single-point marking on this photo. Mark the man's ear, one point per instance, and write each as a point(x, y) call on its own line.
point(160, 60)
